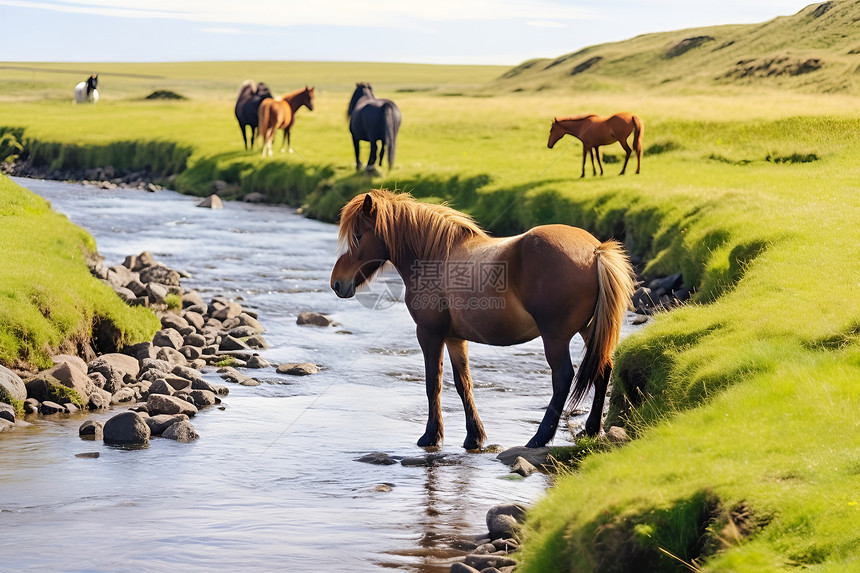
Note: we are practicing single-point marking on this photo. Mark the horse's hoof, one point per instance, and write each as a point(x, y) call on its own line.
point(428, 442)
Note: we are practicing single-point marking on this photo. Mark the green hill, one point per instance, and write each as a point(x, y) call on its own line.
point(816, 50)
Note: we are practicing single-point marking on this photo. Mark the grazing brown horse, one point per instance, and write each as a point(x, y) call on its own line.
point(280, 113)
point(553, 281)
point(594, 131)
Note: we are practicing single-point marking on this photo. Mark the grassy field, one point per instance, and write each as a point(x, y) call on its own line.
point(745, 403)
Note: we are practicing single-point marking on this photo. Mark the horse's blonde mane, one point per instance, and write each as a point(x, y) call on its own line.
point(248, 84)
point(405, 224)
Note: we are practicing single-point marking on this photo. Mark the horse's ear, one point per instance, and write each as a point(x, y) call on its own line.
point(368, 208)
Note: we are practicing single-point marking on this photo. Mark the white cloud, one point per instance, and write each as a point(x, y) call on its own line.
point(546, 24)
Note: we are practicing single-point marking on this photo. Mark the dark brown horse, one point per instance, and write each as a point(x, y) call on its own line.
point(280, 113)
point(594, 131)
point(553, 281)
point(247, 105)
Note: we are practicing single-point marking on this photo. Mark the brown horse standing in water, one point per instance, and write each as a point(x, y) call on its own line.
point(553, 281)
point(280, 113)
point(594, 131)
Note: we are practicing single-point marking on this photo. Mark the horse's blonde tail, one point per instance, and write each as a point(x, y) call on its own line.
point(615, 286)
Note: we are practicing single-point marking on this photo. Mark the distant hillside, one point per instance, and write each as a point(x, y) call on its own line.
point(816, 50)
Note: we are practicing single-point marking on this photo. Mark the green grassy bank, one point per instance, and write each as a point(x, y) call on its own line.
point(745, 403)
point(49, 302)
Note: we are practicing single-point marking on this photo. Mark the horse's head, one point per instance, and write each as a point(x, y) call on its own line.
point(556, 132)
point(365, 252)
point(262, 91)
point(361, 90)
point(309, 102)
point(92, 82)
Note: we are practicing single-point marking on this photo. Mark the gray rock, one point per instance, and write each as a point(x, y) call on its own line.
point(156, 292)
point(523, 467)
point(257, 361)
point(114, 378)
point(256, 341)
point(536, 456)
point(91, 430)
point(191, 353)
point(192, 298)
point(171, 355)
point(229, 343)
point(119, 276)
point(159, 274)
point(128, 365)
point(75, 361)
point(160, 404)
point(194, 339)
point(485, 549)
point(177, 383)
point(160, 422)
point(47, 408)
point(11, 386)
point(203, 398)
point(377, 458)
point(298, 369)
point(195, 319)
point(124, 394)
point(181, 432)
point(204, 385)
point(313, 319)
point(126, 429)
point(71, 377)
point(187, 373)
point(174, 321)
point(160, 386)
point(168, 337)
point(6, 425)
point(481, 562)
point(7, 412)
point(616, 435)
point(137, 287)
point(247, 321)
point(99, 399)
point(71, 408)
point(230, 310)
point(232, 375)
point(211, 202)
point(503, 521)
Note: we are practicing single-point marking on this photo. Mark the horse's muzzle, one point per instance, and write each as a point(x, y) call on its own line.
point(343, 290)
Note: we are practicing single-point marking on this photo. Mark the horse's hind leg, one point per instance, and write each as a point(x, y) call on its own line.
point(458, 352)
point(595, 417)
point(558, 357)
point(357, 160)
point(627, 152)
point(244, 135)
point(372, 159)
point(585, 150)
point(432, 345)
point(599, 162)
point(381, 152)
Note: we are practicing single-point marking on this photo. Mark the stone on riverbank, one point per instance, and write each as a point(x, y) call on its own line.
point(126, 429)
point(211, 202)
point(91, 430)
point(181, 432)
point(313, 319)
point(7, 412)
point(11, 386)
point(160, 422)
point(161, 404)
point(298, 368)
point(503, 521)
point(538, 457)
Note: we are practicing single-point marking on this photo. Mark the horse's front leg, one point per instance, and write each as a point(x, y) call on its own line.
point(593, 168)
point(558, 357)
point(599, 161)
point(585, 150)
point(356, 146)
point(458, 352)
point(432, 345)
point(285, 144)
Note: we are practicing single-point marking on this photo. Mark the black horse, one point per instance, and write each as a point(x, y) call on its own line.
point(250, 96)
point(372, 119)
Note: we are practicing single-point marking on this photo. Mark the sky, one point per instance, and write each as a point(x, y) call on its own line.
point(505, 32)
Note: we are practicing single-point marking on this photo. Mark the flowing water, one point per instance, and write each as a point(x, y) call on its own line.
point(272, 484)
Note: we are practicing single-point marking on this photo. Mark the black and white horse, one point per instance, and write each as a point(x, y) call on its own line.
point(247, 105)
point(373, 119)
point(86, 92)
